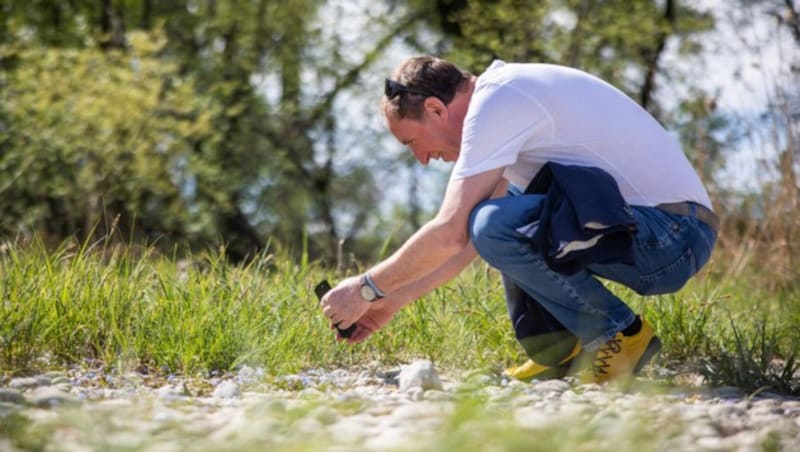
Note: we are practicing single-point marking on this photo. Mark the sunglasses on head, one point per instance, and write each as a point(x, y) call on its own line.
point(393, 89)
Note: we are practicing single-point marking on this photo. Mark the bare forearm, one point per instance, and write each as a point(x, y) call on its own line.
point(381, 312)
point(449, 270)
point(428, 249)
point(428, 254)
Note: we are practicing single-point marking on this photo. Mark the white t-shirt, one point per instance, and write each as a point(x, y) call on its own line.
point(524, 115)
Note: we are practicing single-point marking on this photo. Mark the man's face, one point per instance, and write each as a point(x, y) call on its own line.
point(431, 137)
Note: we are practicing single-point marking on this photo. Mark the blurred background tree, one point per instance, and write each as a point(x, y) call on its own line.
point(148, 116)
point(214, 122)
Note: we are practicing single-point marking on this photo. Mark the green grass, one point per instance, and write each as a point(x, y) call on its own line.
point(128, 307)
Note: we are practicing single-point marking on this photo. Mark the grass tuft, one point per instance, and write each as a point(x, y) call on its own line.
point(756, 357)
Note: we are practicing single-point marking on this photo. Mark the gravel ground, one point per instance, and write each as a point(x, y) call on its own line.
point(378, 408)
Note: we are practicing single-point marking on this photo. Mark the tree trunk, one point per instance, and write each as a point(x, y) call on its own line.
point(243, 241)
point(576, 38)
point(111, 26)
point(211, 7)
point(147, 11)
point(652, 58)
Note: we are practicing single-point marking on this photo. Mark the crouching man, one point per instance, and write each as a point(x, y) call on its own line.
point(559, 179)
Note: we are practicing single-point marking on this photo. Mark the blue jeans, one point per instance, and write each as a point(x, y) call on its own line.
point(668, 249)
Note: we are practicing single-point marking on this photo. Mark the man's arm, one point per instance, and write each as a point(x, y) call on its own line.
point(441, 238)
point(382, 312)
point(449, 269)
point(426, 251)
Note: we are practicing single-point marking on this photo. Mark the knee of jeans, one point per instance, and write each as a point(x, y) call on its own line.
point(483, 227)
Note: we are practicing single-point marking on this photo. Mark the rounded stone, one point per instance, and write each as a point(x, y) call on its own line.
point(7, 408)
point(727, 392)
point(61, 380)
point(226, 390)
point(29, 382)
point(324, 415)
point(419, 374)
point(415, 393)
point(50, 397)
point(531, 417)
point(557, 386)
point(169, 392)
point(725, 410)
point(575, 409)
point(767, 406)
point(437, 396)
point(11, 396)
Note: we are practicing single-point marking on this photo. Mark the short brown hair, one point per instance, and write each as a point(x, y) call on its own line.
point(429, 74)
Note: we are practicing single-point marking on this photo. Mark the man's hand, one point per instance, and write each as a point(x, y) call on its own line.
point(343, 305)
point(377, 316)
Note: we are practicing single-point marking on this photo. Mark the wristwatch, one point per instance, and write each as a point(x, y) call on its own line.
point(369, 291)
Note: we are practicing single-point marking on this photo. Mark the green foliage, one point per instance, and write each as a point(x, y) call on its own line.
point(684, 321)
point(23, 433)
point(188, 122)
point(619, 40)
point(92, 133)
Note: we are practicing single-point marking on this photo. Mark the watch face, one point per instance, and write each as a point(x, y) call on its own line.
point(367, 293)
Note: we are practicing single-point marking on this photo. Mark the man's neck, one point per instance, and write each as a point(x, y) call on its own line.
point(460, 103)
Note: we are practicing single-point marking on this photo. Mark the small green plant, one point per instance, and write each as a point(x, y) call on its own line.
point(755, 357)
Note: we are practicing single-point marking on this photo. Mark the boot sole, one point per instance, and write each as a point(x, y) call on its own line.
point(552, 373)
point(653, 348)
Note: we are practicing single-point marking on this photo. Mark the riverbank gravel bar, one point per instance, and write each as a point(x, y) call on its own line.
point(365, 409)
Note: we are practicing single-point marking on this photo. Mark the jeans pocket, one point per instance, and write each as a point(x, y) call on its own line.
point(658, 230)
point(670, 278)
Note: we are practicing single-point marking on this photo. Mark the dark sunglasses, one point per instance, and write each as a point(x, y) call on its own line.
point(393, 89)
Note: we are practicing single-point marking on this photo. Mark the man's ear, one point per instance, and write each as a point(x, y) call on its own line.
point(436, 107)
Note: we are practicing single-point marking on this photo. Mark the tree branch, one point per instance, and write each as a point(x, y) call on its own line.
point(350, 76)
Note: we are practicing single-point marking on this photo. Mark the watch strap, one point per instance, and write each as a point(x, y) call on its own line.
point(368, 281)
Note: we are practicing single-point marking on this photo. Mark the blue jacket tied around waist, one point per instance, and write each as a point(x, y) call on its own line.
point(583, 218)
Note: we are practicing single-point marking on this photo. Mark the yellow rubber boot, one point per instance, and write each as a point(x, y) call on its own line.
point(532, 370)
point(623, 356)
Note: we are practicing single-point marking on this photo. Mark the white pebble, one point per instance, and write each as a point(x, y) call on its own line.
point(419, 374)
point(226, 390)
